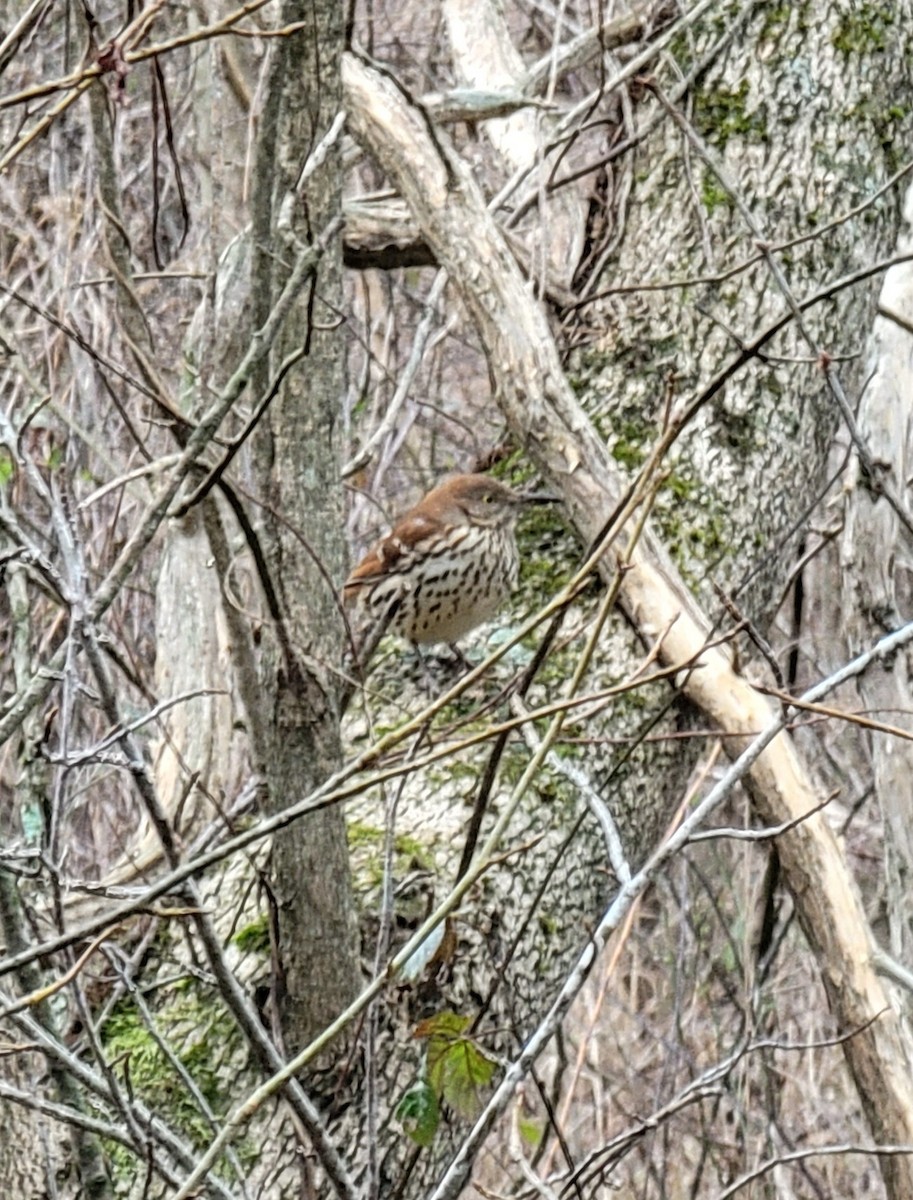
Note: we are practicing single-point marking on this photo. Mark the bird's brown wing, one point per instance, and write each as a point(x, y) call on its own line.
point(394, 552)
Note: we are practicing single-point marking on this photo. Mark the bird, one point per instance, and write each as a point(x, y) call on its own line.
point(447, 565)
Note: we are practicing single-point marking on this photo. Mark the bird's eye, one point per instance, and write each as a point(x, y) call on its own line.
point(488, 497)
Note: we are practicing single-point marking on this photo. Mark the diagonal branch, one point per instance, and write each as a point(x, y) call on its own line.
point(538, 403)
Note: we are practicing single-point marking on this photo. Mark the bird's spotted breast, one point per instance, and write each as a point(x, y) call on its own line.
point(447, 565)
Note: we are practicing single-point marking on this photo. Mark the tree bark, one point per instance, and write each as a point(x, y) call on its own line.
point(299, 472)
point(534, 395)
point(876, 572)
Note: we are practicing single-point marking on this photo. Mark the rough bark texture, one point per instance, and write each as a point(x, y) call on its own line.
point(783, 109)
point(306, 550)
point(200, 754)
point(484, 56)
point(876, 564)
point(32, 1146)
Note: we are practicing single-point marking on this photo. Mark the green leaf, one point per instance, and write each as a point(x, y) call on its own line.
point(457, 1069)
point(463, 1073)
point(530, 1131)
point(444, 1024)
point(419, 1113)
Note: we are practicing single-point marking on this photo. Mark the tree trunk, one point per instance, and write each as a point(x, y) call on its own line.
point(771, 122)
point(299, 477)
point(750, 456)
point(876, 570)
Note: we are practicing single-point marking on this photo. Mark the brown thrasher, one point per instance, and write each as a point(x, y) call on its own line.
point(447, 564)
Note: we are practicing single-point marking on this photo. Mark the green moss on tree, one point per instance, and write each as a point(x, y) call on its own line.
point(366, 842)
point(865, 29)
point(713, 194)
point(725, 113)
point(197, 1035)
point(254, 937)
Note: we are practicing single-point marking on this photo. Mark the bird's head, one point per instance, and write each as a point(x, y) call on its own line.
point(482, 500)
